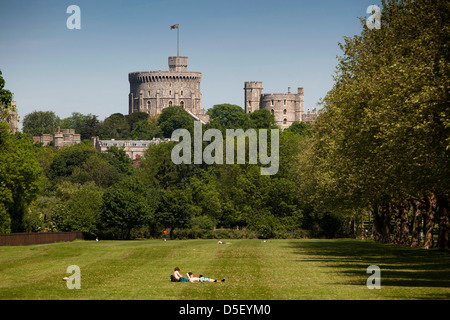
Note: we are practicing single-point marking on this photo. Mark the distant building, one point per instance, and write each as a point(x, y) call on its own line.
point(310, 116)
point(11, 117)
point(287, 108)
point(61, 138)
point(133, 148)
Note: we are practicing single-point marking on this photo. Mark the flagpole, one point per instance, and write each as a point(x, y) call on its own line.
point(178, 41)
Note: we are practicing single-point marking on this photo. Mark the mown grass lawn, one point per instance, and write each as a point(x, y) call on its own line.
point(254, 270)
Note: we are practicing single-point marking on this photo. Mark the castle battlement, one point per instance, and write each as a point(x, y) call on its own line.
point(155, 76)
point(280, 96)
point(253, 84)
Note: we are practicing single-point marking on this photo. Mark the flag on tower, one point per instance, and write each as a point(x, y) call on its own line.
point(175, 26)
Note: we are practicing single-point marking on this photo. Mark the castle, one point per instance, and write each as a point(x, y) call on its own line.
point(287, 108)
point(60, 138)
point(152, 91)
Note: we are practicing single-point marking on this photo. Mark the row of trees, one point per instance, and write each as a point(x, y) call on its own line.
point(138, 125)
point(103, 194)
point(380, 151)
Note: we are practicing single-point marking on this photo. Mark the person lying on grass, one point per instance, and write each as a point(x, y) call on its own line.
point(201, 278)
point(177, 277)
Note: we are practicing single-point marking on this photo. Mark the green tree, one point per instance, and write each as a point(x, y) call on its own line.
point(37, 123)
point(134, 118)
point(98, 170)
point(5, 100)
point(5, 95)
point(20, 175)
point(125, 207)
point(86, 125)
point(174, 210)
point(301, 128)
point(158, 170)
point(173, 118)
point(384, 137)
point(262, 119)
point(119, 159)
point(79, 210)
point(115, 126)
point(227, 116)
point(146, 130)
point(65, 162)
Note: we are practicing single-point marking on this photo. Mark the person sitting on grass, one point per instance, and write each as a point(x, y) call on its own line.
point(177, 277)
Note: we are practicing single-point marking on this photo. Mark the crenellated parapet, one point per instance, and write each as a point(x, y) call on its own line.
point(161, 76)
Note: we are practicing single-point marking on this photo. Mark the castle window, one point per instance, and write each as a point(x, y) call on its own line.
point(284, 121)
point(284, 111)
point(182, 102)
point(181, 92)
point(170, 92)
point(148, 105)
point(284, 103)
point(272, 111)
point(170, 103)
point(271, 103)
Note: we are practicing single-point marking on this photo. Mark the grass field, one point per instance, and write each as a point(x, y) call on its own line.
point(277, 270)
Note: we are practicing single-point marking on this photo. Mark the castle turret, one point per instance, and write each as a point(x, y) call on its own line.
point(253, 91)
point(178, 64)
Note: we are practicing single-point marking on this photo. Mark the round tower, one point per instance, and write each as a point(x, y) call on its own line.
point(152, 91)
point(253, 91)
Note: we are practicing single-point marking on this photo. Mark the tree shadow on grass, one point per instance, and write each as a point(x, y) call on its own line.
point(400, 266)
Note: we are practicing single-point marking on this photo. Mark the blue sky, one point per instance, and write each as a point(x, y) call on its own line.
point(282, 43)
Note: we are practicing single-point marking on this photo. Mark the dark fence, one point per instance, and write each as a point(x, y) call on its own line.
point(14, 239)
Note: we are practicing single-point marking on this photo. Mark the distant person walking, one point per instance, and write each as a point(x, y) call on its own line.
point(165, 235)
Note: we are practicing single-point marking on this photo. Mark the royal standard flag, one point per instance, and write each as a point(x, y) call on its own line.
point(175, 26)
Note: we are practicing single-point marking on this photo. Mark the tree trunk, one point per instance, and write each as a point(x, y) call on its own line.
point(428, 223)
point(444, 223)
point(377, 223)
point(370, 234)
point(401, 233)
point(418, 207)
point(363, 230)
point(386, 212)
